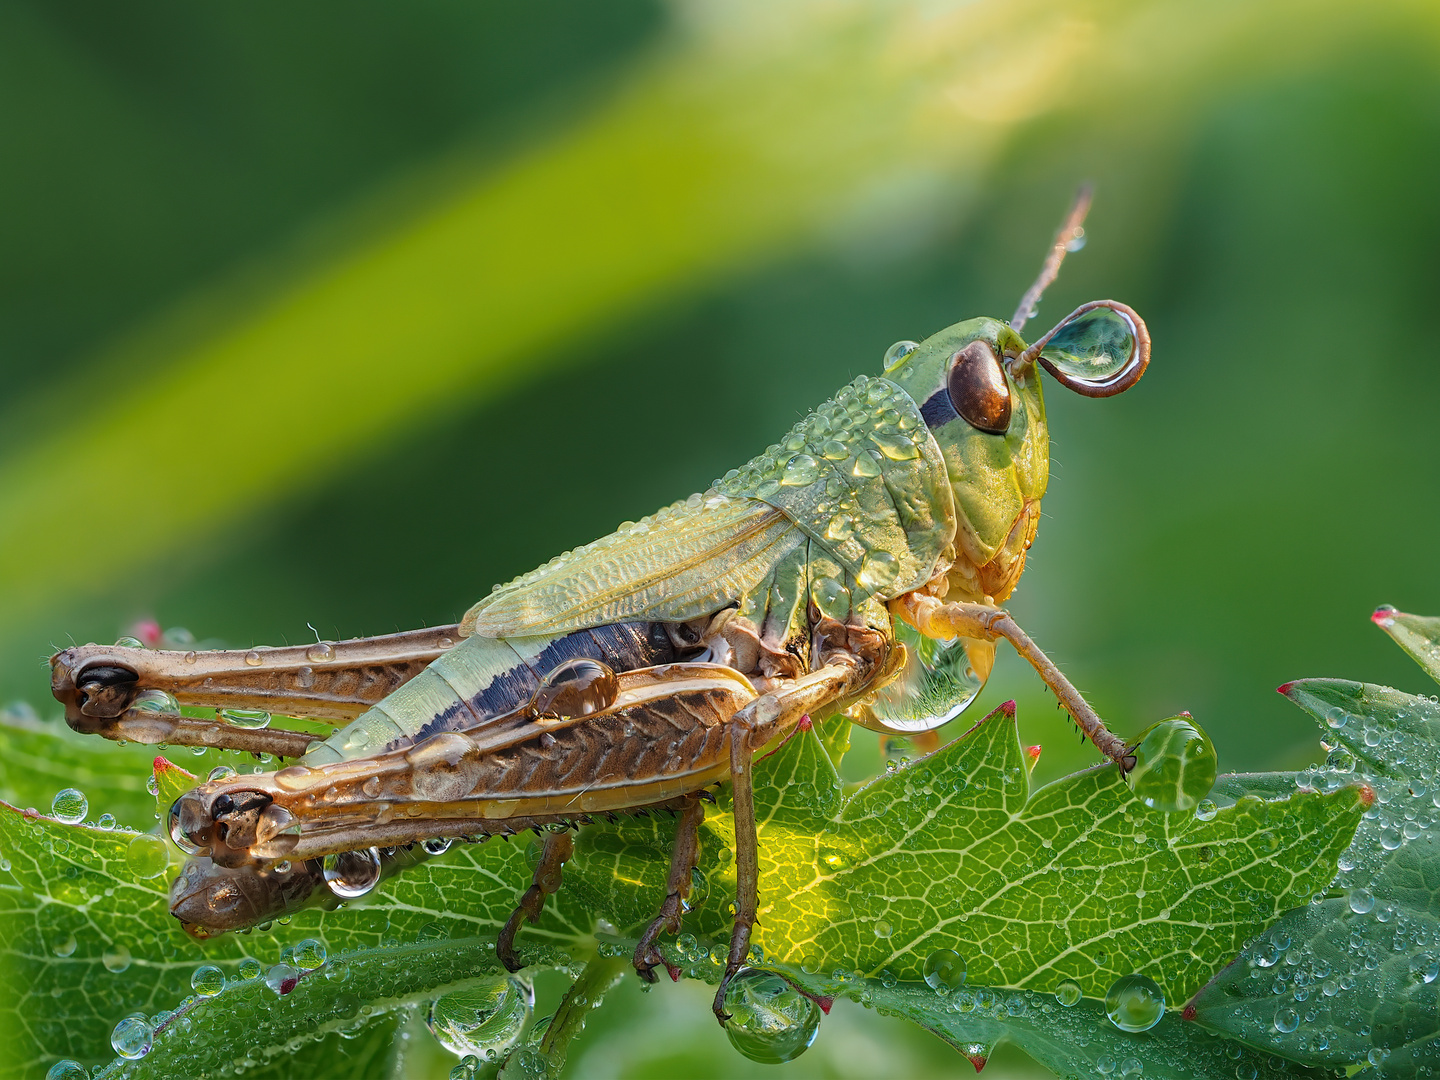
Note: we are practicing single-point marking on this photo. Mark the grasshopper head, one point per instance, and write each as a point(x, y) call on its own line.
point(977, 384)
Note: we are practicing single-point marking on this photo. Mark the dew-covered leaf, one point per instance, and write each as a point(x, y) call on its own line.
point(91, 939)
point(1352, 980)
point(1076, 881)
point(1418, 635)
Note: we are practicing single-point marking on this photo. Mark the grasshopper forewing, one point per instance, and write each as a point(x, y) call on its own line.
point(832, 573)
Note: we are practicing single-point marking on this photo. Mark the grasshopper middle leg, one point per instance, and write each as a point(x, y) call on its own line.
point(556, 853)
point(682, 867)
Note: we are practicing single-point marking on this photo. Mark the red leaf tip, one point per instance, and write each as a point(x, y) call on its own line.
point(1188, 1013)
point(1008, 708)
point(1367, 796)
point(1383, 616)
point(1284, 688)
point(978, 1061)
point(825, 1004)
point(1186, 714)
point(1034, 751)
point(804, 724)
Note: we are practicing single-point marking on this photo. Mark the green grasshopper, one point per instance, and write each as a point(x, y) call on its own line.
point(855, 567)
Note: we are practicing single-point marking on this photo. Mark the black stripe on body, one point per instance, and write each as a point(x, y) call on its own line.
point(621, 646)
point(938, 409)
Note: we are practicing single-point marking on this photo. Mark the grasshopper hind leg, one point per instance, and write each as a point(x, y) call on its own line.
point(682, 867)
point(558, 849)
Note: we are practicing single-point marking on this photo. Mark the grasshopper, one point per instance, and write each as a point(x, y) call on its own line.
point(856, 567)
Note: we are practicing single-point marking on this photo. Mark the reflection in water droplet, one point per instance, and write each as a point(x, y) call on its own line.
point(295, 777)
point(576, 688)
point(69, 806)
point(155, 701)
point(840, 528)
point(883, 929)
point(249, 968)
point(1206, 810)
point(309, 954)
point(879, 569)
point(899, 351)
point(484, 1020)
point(437, 845)
point(1068, 993)
point(245, 718)
point(129, 643)
point(770, 1021)
point(352, 873)
point(116, 958)
point(865, 465)
point(944, 970)
point(1286, 1019)
point(1361, 901)
point(322, 652)
point(1134, 1003)
point(207, 980)
point(147, 856)
point(1175, 766)
point(282, 978)
point(1424, 969)
point(895, 447)
point(801, 470)
point(65, 946)
point(132, 1037)
point(66, 1069)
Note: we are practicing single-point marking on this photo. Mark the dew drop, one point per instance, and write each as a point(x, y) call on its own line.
point(282, 978)
point(865, 466)
point(253, 658)
point(879, 569)
point(65, 946)
point(309, 954)
point(883, 929)
point(484, 1020)
point(155, 701)
point(802, 469)
point(129, 643)
point(322, 652)
point(207, 980)
point(1206, 810)
point(1286, 1020)
point(248, 719)
point(770, 1021)
point(1134, 1003)
point(1175, 766)
point(944, 970)
point(1361, 901)
point(1424, 969)
point(249, 969)
point(352, 873)
point(1068, 993)
point(133, 1037)
point(69, 806)
point(116, 959)
point(898, 352)
point(437, 845)
point(147, 856)
point(67, 1069)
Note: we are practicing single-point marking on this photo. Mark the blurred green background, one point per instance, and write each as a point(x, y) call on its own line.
point(338, 314)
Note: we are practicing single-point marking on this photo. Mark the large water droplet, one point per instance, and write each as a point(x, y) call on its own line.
point(282, 978)
point(878, 570)
point(352, 873)
point(898, 352)
point(128, 642)
point(147, 856)
point(65, 946)
point(576, 688)
point(116, 959)
point(133, 1037)
point(1286, 1019)
point(895, 447)
point(245, 718)
point(159, 701)
point(66, 1069)
point(485, 1019)
point(207, 980)
point(1068, 993)
point(69, 806)
point(1175, 766)
point(802, 469)
point(865, 465)
point(322, 652)
point(770, 1021)
point(1424, 969)
point(944, 970)
point(309, 954)
point(1134, 1003)
point(1361, 901)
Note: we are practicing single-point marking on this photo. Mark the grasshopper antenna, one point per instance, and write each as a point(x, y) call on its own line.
point(1071, 231)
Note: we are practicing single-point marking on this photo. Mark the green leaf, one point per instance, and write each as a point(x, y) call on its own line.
point(1348, 975)
point(1418, 635)
point(71, 901)
point(1078, 881)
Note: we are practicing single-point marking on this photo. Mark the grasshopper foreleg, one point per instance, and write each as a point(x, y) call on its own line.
point(557, 851)
point(682, 867)
point(943, 621)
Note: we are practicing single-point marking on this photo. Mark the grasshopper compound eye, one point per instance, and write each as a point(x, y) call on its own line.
point(978, 389)
point(105, 689)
